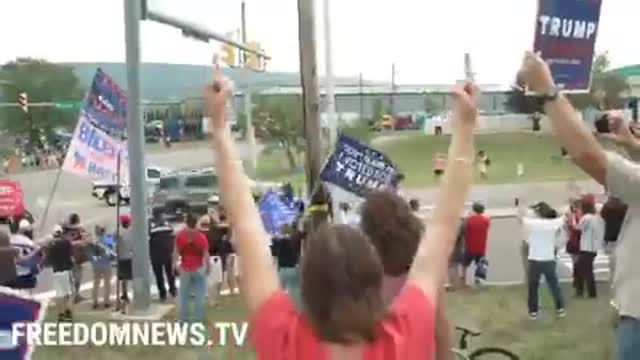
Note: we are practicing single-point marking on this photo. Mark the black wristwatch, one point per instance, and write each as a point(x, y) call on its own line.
point(543, 98)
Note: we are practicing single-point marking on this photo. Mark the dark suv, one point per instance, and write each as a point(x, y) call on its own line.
point(185, 191)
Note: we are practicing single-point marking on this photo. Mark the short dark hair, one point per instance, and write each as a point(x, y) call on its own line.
point(588, 207)
point(191, 220)
point(393, 229)
point(545, 211)
point(343, 301)
point(478, 208)
point(74, 219)
point(414, 204)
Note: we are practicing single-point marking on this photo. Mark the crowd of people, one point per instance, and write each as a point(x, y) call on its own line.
point(371, 286)
point(362, 298)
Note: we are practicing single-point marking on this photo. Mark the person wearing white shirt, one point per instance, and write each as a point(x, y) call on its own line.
point(541, 233)
point(591, 239)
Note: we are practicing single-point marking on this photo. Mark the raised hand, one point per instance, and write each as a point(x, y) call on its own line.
point(535, 74)
point(465, 99)
point(215, 99)
point(620, 130)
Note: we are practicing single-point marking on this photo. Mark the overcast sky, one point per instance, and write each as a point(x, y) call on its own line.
point(425, 38)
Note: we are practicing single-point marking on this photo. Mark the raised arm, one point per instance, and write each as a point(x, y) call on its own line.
point(259, 276)
point(579, 141)
point(430, 264)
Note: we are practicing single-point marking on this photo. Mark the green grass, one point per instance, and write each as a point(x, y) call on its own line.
point(540, 156)
point(500, 313)
point(413, 155)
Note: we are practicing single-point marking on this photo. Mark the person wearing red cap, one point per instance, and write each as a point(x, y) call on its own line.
point(125, 254)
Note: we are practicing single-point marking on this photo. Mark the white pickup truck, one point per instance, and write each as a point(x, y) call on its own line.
point(106, 190)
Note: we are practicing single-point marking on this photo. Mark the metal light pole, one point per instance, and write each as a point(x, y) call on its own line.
point(310, 96)
point(393, 89)
point(361, 99)
point(250, 136)
point(332, 121)
point(135, 135)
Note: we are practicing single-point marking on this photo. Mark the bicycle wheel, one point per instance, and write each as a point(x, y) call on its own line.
point(493, 353)
point(459, 355)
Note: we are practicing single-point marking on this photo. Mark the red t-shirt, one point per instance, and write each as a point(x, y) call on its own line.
point(476, 233)
point(407, 332)
point(191, 253)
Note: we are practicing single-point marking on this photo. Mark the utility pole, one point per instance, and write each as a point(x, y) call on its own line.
point(393, 89)
point(332, 121)
point(310, 96)
point(135, 142)
point(250, 135)
point(361, 99)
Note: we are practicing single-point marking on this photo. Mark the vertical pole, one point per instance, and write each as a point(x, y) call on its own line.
point(119, 165)
point(250, 135)
point(310, 96)
point(141, 281)
point(332, 121)
point(393, 89)
point(361, 99)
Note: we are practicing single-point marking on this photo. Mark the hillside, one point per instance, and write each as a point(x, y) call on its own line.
point(171, 81)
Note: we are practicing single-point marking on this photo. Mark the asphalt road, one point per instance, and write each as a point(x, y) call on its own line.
point(74, 192)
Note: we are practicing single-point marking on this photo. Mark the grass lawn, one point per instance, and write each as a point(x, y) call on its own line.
point(413, 154)
point(500, 313)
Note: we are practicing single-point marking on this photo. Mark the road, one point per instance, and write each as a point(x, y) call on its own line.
point(74, 192)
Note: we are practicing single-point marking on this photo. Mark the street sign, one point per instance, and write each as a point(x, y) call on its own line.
point(67, 105)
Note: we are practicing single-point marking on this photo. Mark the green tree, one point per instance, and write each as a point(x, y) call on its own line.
point(607, 88)
point(279, 118)
point(43, 82)
point(431, 106)
point(379, 110)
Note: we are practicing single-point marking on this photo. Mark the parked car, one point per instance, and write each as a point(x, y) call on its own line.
point(106, 189)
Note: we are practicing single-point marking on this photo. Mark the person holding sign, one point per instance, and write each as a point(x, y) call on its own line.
point(620, 176)
point(344, 314)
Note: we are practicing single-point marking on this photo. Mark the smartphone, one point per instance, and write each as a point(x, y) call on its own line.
point(602, 124)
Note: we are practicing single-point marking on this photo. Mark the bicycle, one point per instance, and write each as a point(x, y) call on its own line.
point(463, 351)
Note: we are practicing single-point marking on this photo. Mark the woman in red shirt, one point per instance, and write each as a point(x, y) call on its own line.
point(344, 316)
point(193, 248)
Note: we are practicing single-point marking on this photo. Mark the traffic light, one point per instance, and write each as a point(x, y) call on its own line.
point(229, 55)
point(23, 101)
point(251, 60)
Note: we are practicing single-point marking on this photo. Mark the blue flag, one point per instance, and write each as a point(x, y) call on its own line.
point(357, 168)
point(275, 212)
point(106, 106)
point(566, 32)
point(14, 309)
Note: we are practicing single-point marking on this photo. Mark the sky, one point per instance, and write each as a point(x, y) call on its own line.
point(426, 39)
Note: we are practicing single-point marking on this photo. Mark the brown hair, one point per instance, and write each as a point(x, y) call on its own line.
point(341, 285)
point(393, 229)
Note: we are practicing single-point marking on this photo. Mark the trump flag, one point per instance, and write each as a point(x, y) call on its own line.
point(15, 308)
point(566, 32)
